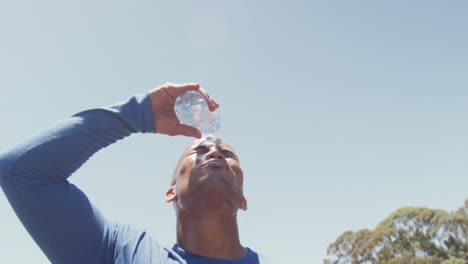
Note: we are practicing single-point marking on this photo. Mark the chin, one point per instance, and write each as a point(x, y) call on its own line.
point(215, 178)
point(212, 184)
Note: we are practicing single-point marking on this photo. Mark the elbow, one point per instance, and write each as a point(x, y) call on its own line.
point(5, 167)
point(2, 170)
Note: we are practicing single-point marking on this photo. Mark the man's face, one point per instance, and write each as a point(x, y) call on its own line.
point(208, 173)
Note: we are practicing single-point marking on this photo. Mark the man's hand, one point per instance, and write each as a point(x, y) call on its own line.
point(163, 99)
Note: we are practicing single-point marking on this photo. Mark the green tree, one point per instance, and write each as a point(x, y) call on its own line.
point(410, 235)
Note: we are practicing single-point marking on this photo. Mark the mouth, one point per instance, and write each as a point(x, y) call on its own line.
point(215, 163)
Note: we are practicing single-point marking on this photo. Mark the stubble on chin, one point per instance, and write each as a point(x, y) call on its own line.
point(213, 181)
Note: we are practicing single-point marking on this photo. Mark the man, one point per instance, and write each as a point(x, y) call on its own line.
point(206, 189)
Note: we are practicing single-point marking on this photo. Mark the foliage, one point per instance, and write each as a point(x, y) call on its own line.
point(409, 235)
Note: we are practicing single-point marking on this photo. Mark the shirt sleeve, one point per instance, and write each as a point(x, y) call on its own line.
point(33, 176)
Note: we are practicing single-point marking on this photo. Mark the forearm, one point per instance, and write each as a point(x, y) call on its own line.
point(54, 154)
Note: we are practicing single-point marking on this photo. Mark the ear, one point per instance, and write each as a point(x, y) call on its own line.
point(243, 204)
point(171, 195)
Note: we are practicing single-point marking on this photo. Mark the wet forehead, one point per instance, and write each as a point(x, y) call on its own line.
point(210, 141)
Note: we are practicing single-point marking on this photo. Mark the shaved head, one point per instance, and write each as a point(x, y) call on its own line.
point(194, 144)
point(207, 174)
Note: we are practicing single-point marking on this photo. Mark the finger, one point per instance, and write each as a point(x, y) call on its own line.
point(212, 104)
point(187, 131)
point(182, 88)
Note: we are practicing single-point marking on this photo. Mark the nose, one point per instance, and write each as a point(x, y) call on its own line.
point(215, 154)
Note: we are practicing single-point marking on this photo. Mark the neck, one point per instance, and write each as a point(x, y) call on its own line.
point(212, 235)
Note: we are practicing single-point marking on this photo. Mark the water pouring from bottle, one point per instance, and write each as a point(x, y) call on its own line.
point(191, 109)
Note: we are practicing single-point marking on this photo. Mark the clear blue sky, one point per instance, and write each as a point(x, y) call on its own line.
point(340, 111)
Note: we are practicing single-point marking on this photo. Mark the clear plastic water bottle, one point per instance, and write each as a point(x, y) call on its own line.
point(192, 110)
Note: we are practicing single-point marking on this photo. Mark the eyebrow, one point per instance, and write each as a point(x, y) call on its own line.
point(229, 151)
point(219, 146)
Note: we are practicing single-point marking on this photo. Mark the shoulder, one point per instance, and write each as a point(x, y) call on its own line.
point(132, 243)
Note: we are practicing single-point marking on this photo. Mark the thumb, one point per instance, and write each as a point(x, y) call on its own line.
point(188, 131)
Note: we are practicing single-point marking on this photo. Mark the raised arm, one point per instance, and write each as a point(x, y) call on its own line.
point(33, 175)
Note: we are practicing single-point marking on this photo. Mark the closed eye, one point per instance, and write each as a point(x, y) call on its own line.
point(228, 153)
point(201, 149)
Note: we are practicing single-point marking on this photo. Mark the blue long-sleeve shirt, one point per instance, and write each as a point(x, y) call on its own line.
point(59, 217)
